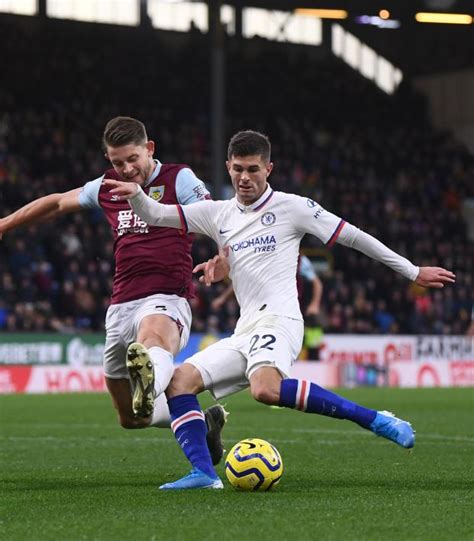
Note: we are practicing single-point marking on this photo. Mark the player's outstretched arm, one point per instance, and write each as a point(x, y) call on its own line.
point(435, 277)
point(150, 211)
point(41, 209)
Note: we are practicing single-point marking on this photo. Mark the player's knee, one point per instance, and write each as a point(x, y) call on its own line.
point(186, 380)
point(265, 386)
point(265, 394)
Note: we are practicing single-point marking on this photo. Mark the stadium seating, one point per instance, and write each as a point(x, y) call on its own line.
point(372, 159)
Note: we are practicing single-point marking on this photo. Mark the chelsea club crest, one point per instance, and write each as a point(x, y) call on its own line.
point(268, 218)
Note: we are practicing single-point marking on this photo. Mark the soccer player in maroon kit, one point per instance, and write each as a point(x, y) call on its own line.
point(149, 319)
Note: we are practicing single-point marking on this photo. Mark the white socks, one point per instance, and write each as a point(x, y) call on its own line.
point(163, 362)
point(161, 414)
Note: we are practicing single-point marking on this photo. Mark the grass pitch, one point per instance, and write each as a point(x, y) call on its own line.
point(70, 472)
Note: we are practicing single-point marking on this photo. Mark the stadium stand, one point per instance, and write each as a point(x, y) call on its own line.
point(372, 159)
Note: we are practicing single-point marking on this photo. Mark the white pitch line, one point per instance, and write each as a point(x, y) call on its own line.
point(105, 441)
point(365, 433)
point(101, 442)
point(349, 433)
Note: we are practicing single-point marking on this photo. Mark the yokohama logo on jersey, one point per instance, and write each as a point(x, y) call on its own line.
point(262, 243)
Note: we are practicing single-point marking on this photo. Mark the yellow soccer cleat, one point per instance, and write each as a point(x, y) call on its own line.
point(142, 376)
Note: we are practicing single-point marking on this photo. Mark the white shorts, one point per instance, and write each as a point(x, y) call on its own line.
point(227, 365)
point(123, 320)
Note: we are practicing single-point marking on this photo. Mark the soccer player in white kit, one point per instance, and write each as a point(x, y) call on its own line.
point(260, 230)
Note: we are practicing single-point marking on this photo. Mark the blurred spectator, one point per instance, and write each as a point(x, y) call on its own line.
point(372, 159)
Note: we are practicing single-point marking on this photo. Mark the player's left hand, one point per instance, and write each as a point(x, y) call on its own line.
point(124, 190)
point(434, 277)
point(215, 269)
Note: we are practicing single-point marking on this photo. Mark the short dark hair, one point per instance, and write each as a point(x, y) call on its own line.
point(124, 130)
point(249, 143)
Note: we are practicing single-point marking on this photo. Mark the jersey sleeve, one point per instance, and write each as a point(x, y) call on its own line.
point(310, 217)
point(306, 269)
point(199, 218)
point(89, 195)
point(190, 189)
point(367, 244)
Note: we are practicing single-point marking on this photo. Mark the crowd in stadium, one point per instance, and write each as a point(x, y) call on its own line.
point(382, 168)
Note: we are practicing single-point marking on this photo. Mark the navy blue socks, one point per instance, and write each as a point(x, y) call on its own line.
point(189, 427)
point(307, 396)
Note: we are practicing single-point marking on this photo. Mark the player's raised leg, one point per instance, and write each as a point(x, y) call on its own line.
point(121, 394)
point(268, 386)
point(116, 376)
point(150, 365)
point(150, 360)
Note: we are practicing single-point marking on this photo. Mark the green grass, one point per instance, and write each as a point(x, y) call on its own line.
point(70, 472)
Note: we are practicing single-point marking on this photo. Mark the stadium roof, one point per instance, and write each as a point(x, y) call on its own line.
point(413, 47)
point(416, 48)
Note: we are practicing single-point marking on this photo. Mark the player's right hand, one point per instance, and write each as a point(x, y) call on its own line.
point(124, 190)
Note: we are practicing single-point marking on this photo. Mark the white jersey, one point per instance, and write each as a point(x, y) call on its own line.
point(262, 241)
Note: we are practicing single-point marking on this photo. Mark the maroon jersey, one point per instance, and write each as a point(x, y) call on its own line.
point(148, 259)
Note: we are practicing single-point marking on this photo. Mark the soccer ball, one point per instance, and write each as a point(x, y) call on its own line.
point(253, 464)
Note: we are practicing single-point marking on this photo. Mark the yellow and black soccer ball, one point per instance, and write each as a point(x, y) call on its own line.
point(253, 464)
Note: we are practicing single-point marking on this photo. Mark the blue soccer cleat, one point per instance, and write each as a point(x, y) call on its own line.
point(397, 430)
point(195, 479)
